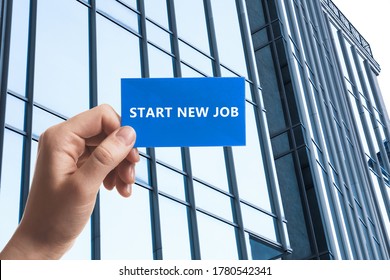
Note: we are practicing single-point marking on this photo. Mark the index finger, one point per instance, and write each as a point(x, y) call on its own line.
point(102, 118)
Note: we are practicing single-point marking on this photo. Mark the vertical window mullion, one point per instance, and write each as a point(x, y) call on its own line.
point(190, 195)
point(228, 152)
point(154, 200)
point(93, 102)
point(27, 144)
point(5, 38)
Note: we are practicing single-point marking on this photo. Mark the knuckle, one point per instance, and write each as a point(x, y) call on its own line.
point(50, 135)
point(105, 108)
point(103, 156)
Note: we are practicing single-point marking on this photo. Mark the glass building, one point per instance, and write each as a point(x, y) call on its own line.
point(312, 181)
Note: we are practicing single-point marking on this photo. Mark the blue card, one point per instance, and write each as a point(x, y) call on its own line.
point(185, 112)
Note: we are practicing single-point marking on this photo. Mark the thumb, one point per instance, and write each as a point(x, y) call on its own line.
point(107, 156)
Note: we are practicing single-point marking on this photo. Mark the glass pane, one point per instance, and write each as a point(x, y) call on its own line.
point(119, 12)
point(174, 230)
point(259, 222)
point(208, 164)
point(169, 155)
point(34, 151)
point(213, 201)
point(61, 66)
point(15, 112)
point(259, 250)
point(131, 3)
point(18, 48)
point(158, 36)
point(42, 120)
point(217, 239)
point(10, 185)
point(157, 11)
point(191, 23)
point(125, 225)
point(142, 171)
point(195, 59)
point(251, 180)
point(189, 72)
point(160, 64)
point(115, 61)
point(228, 34)
point(170, 182)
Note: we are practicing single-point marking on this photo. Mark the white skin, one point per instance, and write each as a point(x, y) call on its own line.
point(74, 158)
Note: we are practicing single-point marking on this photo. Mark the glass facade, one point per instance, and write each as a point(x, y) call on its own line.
point(312, 181)
point(327, 126)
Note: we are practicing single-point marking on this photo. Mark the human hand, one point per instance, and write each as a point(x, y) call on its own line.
point(73, 160)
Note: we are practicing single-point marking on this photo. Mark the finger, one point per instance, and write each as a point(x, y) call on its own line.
point(95, 140)
point(109, 181)
point(133, 156)
point(106, 157)
point(123, 189)
point(93, 122)
point(126, 172)
point(84, 156)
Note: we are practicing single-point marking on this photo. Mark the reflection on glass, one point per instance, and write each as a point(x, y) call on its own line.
point(125, 225)
point(61, 58)
point(213, 201)
point(259, 222)
point(157, 11)
point(18, 49)
point(191, 23)
point(170, 182)
point(10, 185)
point(115, 60)
point(208, 164)
point(42, 120)
point(229, 39)
point(119, 12)
point(14, 113)
point(251, 180)
point(160, 64)
point(217, 239)
point(259, 250)
point(174, 230)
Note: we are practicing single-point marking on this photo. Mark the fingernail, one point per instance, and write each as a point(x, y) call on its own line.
point(126, 135)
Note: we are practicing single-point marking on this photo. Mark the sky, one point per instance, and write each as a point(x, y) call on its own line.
point(372, 19)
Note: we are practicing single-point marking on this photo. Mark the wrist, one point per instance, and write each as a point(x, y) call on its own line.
point(25, 247)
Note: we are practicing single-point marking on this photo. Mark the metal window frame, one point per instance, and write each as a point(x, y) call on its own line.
point(5, 40)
